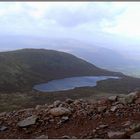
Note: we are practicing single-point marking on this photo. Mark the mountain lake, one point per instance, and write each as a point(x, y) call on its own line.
point(71, 83)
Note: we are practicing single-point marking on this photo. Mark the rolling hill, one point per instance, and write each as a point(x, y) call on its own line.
point(21, 69)
point(106, 56)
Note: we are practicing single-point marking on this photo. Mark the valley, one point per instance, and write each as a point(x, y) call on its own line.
point(27, 67)
point(20, 100)
point(20, 70)
point(69, 70)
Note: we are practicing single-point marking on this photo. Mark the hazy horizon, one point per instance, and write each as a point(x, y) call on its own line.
point(80, 28)
point(105, 23)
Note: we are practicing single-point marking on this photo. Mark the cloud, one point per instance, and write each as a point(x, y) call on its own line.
point(71, 14)
point(67, 14)
point(69, 18)
point(127, 24)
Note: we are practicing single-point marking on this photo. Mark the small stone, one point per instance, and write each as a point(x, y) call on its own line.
point(121, 100)
point(103, 126)
point(46, 110)
point(134, 94)
point(73, 137)
point(116, 135)
point(59, 123)
point(122, 96)
point(97, 128)
point(65, 137)
point(127, 99)
point(135, 127)
point(76, 102)
point(51, 120)
point(137, 101)
point(3, 128)
point(112, 98)
point(59, 111)
point(2, 114)
point(103, 101)
point(89, 137)
point(115, 103)
point(113, 108)
point(28, 121)
point(69, 101)
point(42, 137)
point(135, 136)
point(101, 108)
point(50, 106)
point(38, 107)
point(120, 106)
point(57, 103)
point(81, 100)
point(24, 110)
point(127, 123)
point(94, 131)
point(65, 118)
point(128, 130)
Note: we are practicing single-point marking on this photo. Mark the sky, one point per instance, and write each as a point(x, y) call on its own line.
point(110, 23)
point(120, 18)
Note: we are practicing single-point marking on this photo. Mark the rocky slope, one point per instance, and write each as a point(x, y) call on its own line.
point(112, 117)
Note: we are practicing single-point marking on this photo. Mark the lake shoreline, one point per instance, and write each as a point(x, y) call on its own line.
point(71, 83)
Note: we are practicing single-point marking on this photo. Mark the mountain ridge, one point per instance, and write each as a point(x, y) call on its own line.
point(21, 69)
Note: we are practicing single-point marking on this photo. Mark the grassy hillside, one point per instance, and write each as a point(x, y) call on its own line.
point(21, 69)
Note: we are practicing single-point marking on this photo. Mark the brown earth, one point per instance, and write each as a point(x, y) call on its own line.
point(112, 117)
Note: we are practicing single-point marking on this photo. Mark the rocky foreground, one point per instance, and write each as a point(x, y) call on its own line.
point(113, 117)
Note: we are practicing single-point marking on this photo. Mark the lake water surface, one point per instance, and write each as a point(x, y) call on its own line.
point(71, 83)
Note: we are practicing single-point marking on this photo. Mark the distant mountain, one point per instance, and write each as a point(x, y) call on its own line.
point(109, 59)
point(99, 55)
point(21, 69)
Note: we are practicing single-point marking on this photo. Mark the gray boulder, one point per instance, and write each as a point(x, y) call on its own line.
point(103, 126)
point(116, 135)
point(59, 111)
point(112, 98)
point(134, 94)
point(38, 107)
point(28, 121)
point(69, 101)
point(3, 128)
point(135, 136)
point(65, 118)
point(113, 108)
point(42, 137)
point(135, 127)
point(65, 137)
point(56, 103)
point(126, 99)
point(127, 123)
point(2, 114)
point(101, 108)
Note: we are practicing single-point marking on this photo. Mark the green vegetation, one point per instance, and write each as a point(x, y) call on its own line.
point(18, 100)
point(15, 101)
point(21, 69)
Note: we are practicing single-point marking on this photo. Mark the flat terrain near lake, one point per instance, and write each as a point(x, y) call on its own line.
point(105, 88)
point(71, 83)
